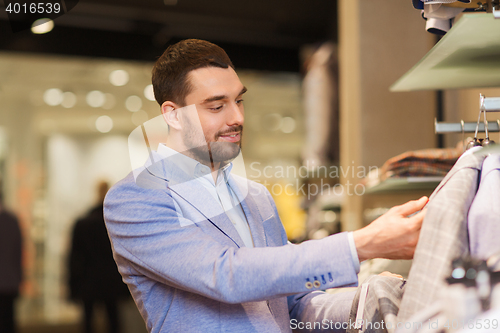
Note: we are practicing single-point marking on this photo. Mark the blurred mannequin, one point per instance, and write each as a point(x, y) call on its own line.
point(94, 277)
point(10, 268)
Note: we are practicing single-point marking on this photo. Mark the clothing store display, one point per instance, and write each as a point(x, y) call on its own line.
point(189, 270)
point(383, 296)
point(484, 214)
point(443, 236)
point(10, 268)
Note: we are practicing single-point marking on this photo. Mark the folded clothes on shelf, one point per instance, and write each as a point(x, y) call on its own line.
point(417, 163)
point(426, 162)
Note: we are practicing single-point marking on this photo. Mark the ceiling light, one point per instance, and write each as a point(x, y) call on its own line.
point(149, 93)
point(42, 26)
point(119, 77)
point(133, 103)
point(288, 125)
point(53, 96)
point(96, 99)
point(104, 124)
point(68, 100)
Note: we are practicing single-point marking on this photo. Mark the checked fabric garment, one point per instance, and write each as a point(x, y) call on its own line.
point(443, 237)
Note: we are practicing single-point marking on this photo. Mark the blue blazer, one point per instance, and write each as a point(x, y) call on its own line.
point(189, 271)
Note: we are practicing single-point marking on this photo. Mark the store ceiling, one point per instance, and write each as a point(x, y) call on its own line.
point(257, 34)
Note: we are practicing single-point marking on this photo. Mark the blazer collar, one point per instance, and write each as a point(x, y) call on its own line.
point(468, 160)
point(187, 187)
point(254, 217)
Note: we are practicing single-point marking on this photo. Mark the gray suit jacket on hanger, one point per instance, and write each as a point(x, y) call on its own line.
point(484, 214)
point(443, 236)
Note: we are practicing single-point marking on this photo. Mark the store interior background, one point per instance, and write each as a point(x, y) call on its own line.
point(52, 156)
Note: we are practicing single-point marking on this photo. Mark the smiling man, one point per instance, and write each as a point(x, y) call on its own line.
point(203, 250)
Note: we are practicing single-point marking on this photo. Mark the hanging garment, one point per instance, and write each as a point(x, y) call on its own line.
point(484, 214)
point(381, 305)
point(443, 236)
point(321, 107)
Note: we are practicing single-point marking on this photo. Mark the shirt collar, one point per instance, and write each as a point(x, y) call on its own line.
point(192, 167)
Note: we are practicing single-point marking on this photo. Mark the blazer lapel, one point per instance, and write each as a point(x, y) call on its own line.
point(201, 200)
point(251, 211)
point(197, 197)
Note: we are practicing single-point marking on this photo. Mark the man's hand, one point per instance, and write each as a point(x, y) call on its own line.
point(393, 235)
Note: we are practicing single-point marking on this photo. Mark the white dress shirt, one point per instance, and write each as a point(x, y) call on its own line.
point(220, 190)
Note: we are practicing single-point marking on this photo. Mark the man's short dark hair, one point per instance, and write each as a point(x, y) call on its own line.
point(171, 69)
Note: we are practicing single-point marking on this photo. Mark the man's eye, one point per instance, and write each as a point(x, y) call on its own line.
point(239, 101)
point(216, 108)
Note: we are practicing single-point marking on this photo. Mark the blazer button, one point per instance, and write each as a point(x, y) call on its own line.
point(317, 284)
point(309, 285)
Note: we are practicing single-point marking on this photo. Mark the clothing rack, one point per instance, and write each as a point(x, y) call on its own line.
point(486, 104)
point(468, 127)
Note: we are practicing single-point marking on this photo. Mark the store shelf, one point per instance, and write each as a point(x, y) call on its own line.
point(468, 56)
point(391, 185)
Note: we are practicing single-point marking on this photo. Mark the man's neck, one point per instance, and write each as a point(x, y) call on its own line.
point(214, 166)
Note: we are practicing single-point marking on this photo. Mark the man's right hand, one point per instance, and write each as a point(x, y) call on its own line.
point(393, 235)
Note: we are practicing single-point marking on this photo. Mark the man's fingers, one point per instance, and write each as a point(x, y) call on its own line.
point(386, 273)
point(419, 217)
point(412, 206)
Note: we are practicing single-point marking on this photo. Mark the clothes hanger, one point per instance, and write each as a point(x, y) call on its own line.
point(476, 142)
point(486, 142)
point(482, 142)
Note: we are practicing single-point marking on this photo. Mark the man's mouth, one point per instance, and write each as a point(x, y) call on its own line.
point(230, 137)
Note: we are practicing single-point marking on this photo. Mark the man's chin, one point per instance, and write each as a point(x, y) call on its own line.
point(224, 152)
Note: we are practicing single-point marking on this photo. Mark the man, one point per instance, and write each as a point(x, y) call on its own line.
point(10, 268)
point(93, 277)
point(203, 250)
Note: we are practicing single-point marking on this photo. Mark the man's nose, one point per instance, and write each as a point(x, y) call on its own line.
point(236, 116)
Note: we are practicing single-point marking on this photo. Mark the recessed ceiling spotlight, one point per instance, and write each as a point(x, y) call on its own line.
point(104, 124)
point(149, 93)
point(42, 26)
point(53, 96)
point(68, 100)
point(133, 103)
point(95, 98)
point(288, 125)
point(119, 77)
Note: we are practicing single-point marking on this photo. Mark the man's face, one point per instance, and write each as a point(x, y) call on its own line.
point(217, 95)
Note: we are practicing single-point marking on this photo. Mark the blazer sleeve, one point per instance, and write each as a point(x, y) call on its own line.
point(150, 238)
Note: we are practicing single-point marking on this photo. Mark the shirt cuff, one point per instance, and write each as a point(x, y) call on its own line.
point(354, 252)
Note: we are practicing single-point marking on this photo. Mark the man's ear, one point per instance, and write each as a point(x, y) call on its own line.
point(169, 111)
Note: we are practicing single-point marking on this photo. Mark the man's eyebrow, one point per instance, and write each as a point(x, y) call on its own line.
point(220, 97)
